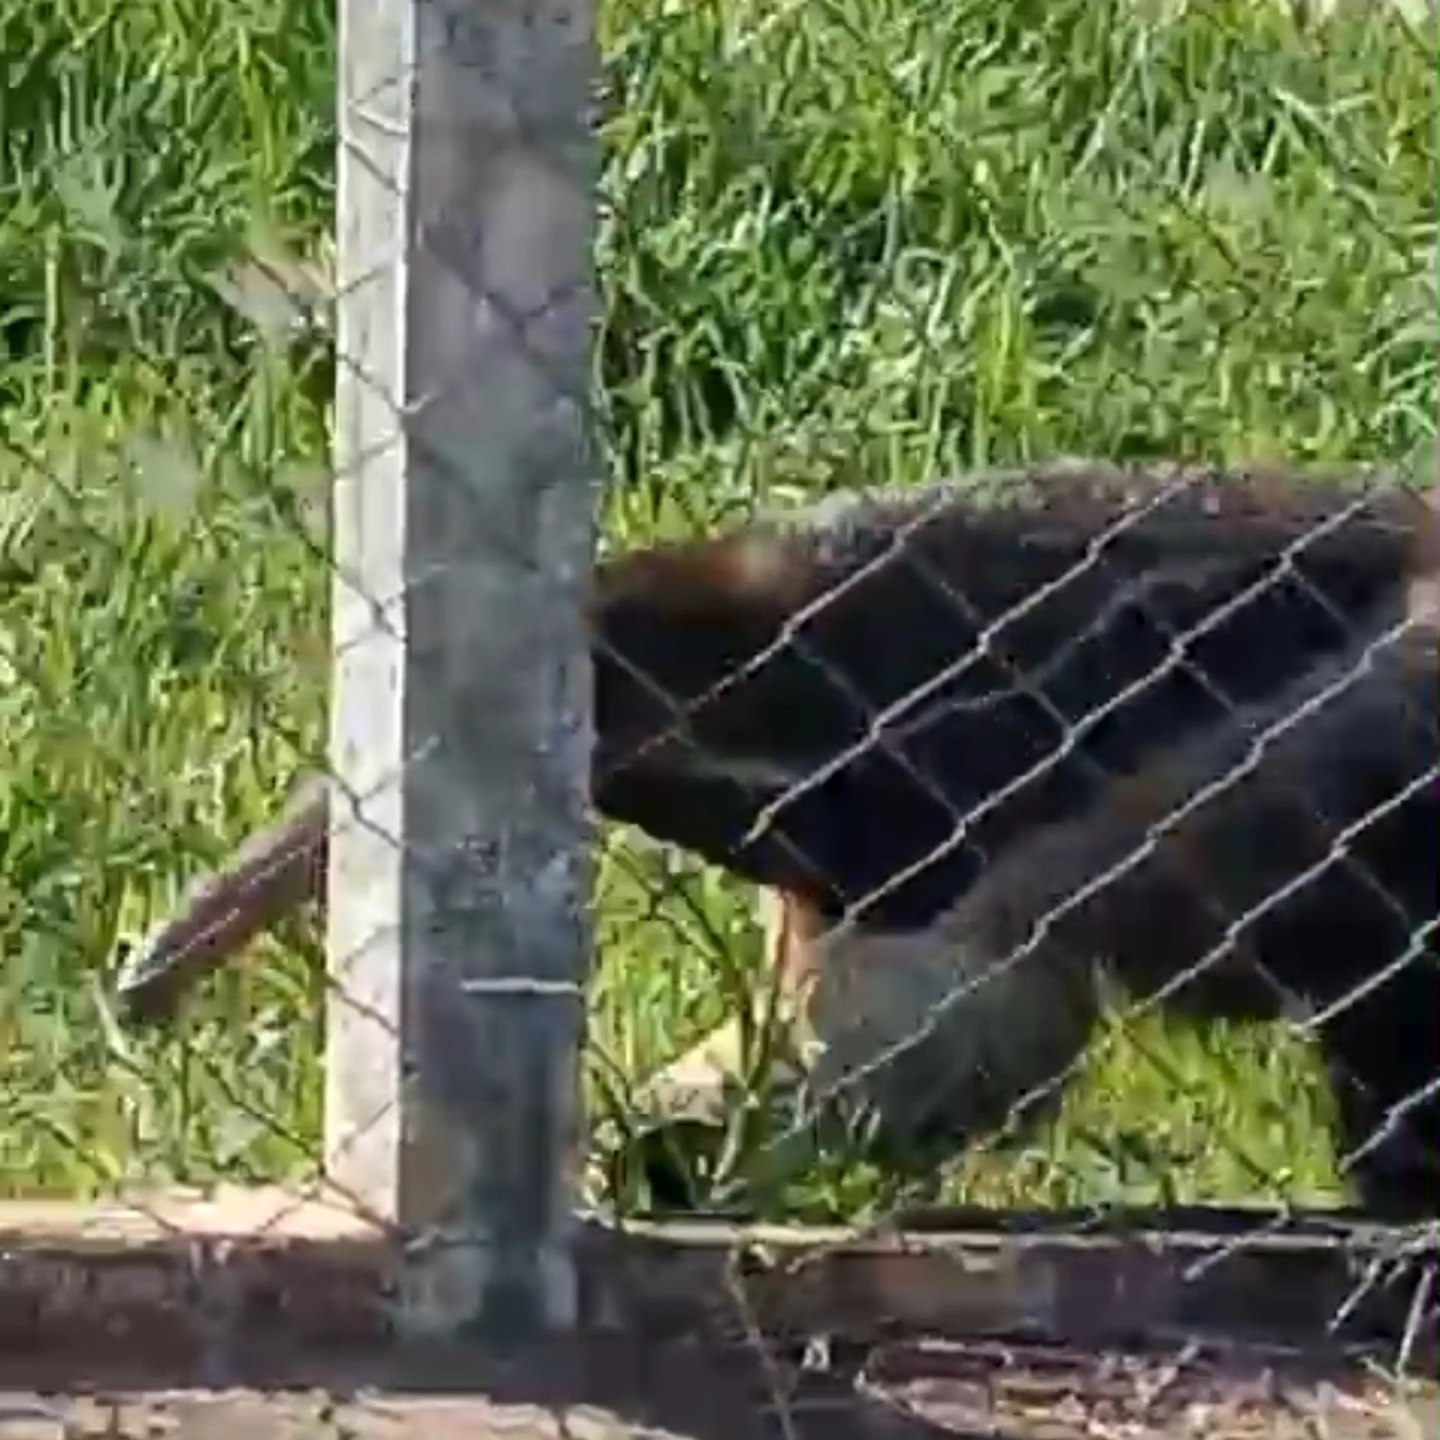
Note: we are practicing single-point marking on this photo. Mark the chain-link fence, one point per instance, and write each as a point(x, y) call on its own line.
point(897, 828)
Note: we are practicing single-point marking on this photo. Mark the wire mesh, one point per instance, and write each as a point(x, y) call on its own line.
point(1092, 803)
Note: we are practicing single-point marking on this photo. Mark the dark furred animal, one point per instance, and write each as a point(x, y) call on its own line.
point(839, 768)
point(866, 707)
point(1285, 864)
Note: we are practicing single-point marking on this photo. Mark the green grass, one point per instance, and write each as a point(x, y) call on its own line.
point(843, 242)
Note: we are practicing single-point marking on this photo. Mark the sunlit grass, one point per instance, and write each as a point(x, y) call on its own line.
point(842, 242)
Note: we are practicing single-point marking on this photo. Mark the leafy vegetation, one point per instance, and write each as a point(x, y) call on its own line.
point(842, 242)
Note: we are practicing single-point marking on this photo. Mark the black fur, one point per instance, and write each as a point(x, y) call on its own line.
point(808, 704)
point(872, 610)
point(866, 615)
point(1286, 863)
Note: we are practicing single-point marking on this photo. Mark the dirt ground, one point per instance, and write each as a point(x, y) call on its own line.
point(915, 1390)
